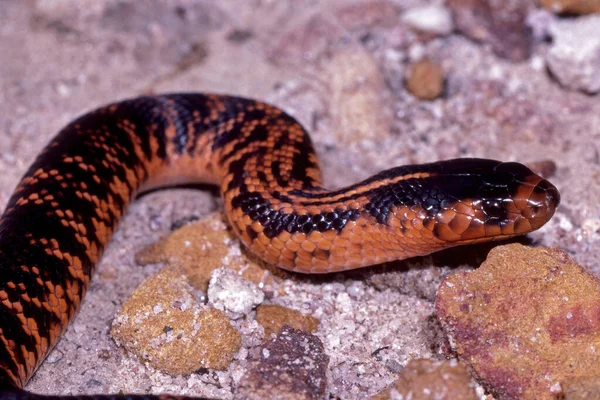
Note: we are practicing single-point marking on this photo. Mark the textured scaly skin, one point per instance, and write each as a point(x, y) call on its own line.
point(65, 209)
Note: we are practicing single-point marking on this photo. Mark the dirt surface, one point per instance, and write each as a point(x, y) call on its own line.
point(338, 66)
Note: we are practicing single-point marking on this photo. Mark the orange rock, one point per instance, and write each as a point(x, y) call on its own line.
point(527, 320)
point(587, 388)
point(274, 317)
point(425, 80)
point(163, 324)
point(572, 6)
point(198, 248)
point(201, 247)
point(425, 379)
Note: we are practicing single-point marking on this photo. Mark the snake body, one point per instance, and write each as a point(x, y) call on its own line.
point(61, 215)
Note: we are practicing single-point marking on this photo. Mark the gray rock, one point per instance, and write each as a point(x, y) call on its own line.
point(574, 57)
point(229, 292)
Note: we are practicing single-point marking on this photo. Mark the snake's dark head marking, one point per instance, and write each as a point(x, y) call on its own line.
point(472, 200)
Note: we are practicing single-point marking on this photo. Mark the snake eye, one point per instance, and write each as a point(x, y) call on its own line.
point(493, 209)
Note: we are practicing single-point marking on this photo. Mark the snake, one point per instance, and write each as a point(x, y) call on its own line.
point(64, 210)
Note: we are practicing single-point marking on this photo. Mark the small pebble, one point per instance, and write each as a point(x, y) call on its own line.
point(425, 80)
point(229, 292)
point(274, 317)
point(435, 19)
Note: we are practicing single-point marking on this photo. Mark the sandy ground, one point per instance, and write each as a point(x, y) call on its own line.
point(59, 58)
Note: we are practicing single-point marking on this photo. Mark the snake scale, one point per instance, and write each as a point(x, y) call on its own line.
point(61, 215)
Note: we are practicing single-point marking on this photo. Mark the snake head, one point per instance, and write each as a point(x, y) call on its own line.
point(479, 200)
point(465, 200)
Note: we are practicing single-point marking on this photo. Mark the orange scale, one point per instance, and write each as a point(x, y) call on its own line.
point(508, 229)
point(299, 237)
point(321, 254)
point(354, 248)
point(324, 244)
point(277, 243)
point(285, 263)
point(246, 220)
point(445, 233)
point(417, 223)
point(353, 263)
point(315, 236)
point(262, 238)
point(272, 254)
point(338, 252)
point(476, 230)
point(284, 236)
point(355, 238)
point(492, 230)
point(341, 261)
point(319, 267)
point(522, 225)
point(369, 253)
point(303, 255)
point(303, 264)
point(464, 207)
point(308, 246)
point(460, 223)
point(292, 245)
point(330, 235)
point(339, 241)
point(258, 247)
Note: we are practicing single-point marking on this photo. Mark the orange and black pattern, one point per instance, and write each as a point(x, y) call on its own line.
point(63, 212)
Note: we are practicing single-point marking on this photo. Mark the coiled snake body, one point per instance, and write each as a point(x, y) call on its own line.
point(63, 212)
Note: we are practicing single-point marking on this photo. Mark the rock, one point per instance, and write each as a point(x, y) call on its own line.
point(162, 323)
point(362, 15)
point(425, 80)
point(502, 24)
point(572, 6)
point(306, 41)
point(425, 379)
point(273, 318)
point(587, 388)
point(199, 248)
point(356, 106)
point(291, 366)
point(525, 313)
point(434, 19)
point(539, 20)
point(359, 97)
point(575, 53)
point(229, 292)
